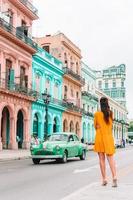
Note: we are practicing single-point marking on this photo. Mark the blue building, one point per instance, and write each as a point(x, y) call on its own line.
point(89, 104)
point(47, 75)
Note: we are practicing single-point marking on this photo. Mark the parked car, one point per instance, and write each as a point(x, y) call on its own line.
point(60, 146)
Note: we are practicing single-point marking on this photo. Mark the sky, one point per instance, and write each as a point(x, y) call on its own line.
point(102, 29)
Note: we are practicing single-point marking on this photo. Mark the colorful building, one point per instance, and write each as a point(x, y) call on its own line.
point(63, 49)
point(89, 103)
point(16, 50)
point(47, 75)
point(120, 125)
point(111, 81)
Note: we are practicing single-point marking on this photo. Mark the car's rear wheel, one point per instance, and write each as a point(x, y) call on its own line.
point(64, 159)
point(36, 161)
point(83, 155)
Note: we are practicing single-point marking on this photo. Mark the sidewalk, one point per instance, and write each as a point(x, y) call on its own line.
point(7, 155)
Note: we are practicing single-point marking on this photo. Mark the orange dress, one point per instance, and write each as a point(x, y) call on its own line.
point(104, 141)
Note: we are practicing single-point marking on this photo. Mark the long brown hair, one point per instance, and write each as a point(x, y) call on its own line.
point(106, 109)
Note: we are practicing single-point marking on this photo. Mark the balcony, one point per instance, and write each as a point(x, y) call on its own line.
point(74, 75)
point(58, 102)
point(15, 88)
point(87, 113)
point(17, 36)
point(26, 7)
point(71, 106)
point(90, 96)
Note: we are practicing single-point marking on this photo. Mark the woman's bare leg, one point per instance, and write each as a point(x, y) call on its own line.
point(102, 165)
point(111, 161)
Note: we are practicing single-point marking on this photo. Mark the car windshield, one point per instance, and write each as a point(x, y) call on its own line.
point(58, 137)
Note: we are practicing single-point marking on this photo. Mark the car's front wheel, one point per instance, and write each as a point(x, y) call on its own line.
point(83, 155)
point(64, 159)
point(36, 161)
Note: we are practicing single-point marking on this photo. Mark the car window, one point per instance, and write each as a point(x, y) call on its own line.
point(58, 137)
point(71, 138)
point(76, 138)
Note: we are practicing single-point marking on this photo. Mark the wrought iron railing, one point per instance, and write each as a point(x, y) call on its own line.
point(30, 6)
point(73, 74)
point(17, 88)
point(91, 96)
point(57, 101)
point(17, 33)
point(90, 114)
point(71, 106)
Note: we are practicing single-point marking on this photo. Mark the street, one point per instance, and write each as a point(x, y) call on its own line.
point(20, 179)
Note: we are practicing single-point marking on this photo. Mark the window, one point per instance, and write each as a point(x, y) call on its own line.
point(106, 84)
point(65, 59)
point(72, 94)
point(48, 85)
point(46, 48)
point(88, 108)
point(37, 83)
point(122, 83)
point(56, 90)
point(83, 106)
point(88, 87)
point(114, 84)
point(71, 62)
point(77, 68)
point(65, 92)
point(22, 77)
point(100, 84)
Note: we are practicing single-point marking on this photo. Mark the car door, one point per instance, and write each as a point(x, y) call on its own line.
point(71, 146)
point(77, 144)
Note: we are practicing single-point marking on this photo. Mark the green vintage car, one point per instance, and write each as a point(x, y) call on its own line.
point(59, 146)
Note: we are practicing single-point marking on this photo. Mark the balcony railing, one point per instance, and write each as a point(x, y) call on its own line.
point(17, 88)
point(87, 113)
point(90, 96)
point(73, 74)
point(17, 33)
point(57, 101)
point(30, 6)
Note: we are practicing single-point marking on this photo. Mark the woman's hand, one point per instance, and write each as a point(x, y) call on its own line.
point(98, 126)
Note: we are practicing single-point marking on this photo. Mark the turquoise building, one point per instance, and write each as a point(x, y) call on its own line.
point(47, 75)
point(89, 104)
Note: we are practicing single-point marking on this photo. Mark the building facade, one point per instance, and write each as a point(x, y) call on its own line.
point(89, 104)
point(16, 50)
point(70, 55)
point(47, 75)
point(112, 82)
point(120, 125)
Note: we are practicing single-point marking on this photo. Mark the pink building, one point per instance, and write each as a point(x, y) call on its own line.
point(16, 50)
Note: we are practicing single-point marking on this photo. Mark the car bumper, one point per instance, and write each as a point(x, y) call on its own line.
point(46, 156)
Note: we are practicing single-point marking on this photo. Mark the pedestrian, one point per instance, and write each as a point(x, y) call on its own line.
point(82, 140)
point(104, 142)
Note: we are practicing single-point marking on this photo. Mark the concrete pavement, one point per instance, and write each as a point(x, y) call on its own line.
point(75, 180)
point(6, 155)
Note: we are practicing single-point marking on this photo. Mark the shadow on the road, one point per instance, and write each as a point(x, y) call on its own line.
point(54, 162)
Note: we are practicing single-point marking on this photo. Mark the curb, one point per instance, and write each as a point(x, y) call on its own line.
point(14, 158)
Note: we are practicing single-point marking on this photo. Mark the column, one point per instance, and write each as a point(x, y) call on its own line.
point(12, 143)
point(0, 133)
point(3, 65)
point(26, 135)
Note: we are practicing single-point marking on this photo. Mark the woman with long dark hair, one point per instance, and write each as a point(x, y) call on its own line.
point(104, 141)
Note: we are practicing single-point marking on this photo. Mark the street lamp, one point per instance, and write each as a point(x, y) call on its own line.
point(46, 98)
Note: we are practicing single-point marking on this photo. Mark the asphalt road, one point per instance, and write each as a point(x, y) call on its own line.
point(21, 180)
